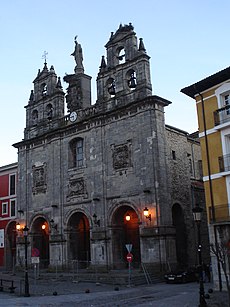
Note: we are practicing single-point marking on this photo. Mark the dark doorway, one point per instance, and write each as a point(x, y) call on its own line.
point(181, 236)
point(10, 251)
point(125, 225)
point(40, 240)
point(79, 239)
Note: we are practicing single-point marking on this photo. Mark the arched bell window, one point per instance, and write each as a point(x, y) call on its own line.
point(35, 117)
point(44, 89)
point(132, 80)
point(121, 55)
point(111, 86)
point(49, 111)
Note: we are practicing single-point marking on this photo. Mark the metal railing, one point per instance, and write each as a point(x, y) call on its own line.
point(88, 271)
point(47, 125)
point(224, 163)
point(222, 115)
point(222, 213)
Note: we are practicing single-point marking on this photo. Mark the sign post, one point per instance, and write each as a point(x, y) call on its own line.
point(35, 260)
point(129, 258)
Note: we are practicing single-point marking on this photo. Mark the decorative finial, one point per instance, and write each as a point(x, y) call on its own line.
point(103, 63)
point(59, 83)
point(141, 45)
point(44, 56)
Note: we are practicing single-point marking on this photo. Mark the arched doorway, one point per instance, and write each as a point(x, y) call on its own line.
point(79, 238)
point(125, 231)
point(10, 251)
point(40, 240)
point(181, 236)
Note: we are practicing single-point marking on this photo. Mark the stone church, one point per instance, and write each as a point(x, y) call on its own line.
point(99, 182)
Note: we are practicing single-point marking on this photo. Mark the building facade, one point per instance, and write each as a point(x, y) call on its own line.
point(8, 207)
point(212, 99)
point(94, 183)
point(186, 190)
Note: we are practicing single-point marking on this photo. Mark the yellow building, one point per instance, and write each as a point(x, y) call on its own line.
point(212, 96)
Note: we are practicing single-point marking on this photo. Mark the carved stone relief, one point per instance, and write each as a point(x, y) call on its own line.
point(77, 188)
point(74, 97)
point(121, 156)
point(39, 178)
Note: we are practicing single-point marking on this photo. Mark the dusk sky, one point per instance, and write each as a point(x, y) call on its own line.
point(186, 41)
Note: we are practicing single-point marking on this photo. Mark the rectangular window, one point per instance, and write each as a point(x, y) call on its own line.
point(2, 238)
point(227, 103)
point(173, 154)
point(200, 168)
point(12, 184)
point(79, 153)
point(190, 167)
point(13, 207)
point(4, 208)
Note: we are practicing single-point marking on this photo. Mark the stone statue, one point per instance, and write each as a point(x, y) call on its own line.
point(78, 56)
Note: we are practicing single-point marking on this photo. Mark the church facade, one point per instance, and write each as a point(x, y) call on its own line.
point(94, 184)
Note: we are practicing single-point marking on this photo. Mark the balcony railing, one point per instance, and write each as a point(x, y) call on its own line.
point(221, 213)
point(224, 163)
point(222, 115)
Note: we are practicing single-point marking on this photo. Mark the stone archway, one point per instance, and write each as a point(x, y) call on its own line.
point(79, 239)
point(125, 232)
point(10, 250)
point(40, 240)
point(181, 235)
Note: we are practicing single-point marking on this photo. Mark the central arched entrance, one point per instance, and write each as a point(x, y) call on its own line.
point(125, 230)
point(40, 240)
point(79, 238)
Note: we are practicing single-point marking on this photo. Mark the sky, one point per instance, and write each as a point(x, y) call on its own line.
point(186, 40)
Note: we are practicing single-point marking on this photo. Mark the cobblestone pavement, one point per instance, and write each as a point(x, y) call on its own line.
point(54, 290)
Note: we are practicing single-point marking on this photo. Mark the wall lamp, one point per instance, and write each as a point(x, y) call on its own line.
point(127, 217)
point(18, 227)
point(96, 221)
point(53, 225)
point(146, 214)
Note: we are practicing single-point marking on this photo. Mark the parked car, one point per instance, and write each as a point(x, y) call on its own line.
point(181, 276)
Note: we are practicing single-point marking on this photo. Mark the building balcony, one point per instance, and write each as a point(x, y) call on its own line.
point(221, 214)
point(222, 116)
point(224, 163)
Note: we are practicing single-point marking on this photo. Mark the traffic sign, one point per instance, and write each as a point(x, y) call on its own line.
point(35, 252)
point(35, 260)
point(129, 257)
point(129, 247)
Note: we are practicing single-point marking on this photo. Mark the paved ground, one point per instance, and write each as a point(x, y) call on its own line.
point(62, 291)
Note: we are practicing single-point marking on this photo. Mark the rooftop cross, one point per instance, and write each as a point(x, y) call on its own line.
point(44, 56)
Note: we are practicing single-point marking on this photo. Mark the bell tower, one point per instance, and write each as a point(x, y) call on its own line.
point(125, 76)
point(46, 103)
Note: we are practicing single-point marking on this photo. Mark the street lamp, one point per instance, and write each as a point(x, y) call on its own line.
point(25, 233)
point(18, 227)
point(197, 212)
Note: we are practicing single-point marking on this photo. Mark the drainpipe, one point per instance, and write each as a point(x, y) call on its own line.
point(210, 186)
